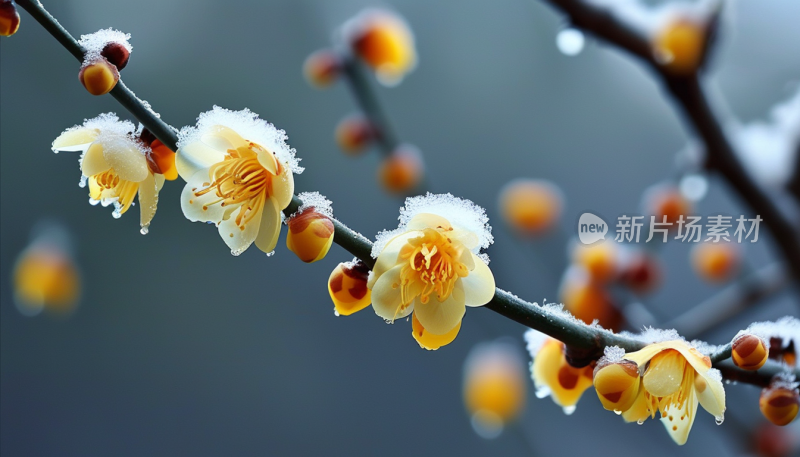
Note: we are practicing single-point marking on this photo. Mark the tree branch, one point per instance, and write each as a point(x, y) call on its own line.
point(585, 343)
point(689, 95)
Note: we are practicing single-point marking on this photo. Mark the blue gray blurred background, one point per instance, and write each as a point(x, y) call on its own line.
point(179, 348)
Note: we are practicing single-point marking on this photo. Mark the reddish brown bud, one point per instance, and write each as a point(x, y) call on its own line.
point(779, 403)
point(401, 171)
point(116, 54)
point(354, 134)
point(749, 352)
point(9, 18)
point(322, 68)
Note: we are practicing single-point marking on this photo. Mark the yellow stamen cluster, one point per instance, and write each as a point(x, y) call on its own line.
point(431, 266)
point(110, 184)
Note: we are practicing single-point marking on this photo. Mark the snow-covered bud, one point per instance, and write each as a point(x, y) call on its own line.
point(322, 68)
point(617, 384)
point(99, 76)
point(310, 234)
point(780, 402)
point(347, 287)
point(750, 352)
point(402, 171)
point(354, 134)
point(117, 54)
point(9, 18)
point(531, 206)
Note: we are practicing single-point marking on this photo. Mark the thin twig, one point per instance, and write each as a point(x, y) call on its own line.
point(585, 343)
point(368, 103)
point(730, 301)
point(689, 95)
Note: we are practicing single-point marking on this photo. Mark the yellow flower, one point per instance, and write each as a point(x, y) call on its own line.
point(553, 375)
point(429, 266)
point(114, 163)
point(238, 172)
point(674, 378)
point(383, 40)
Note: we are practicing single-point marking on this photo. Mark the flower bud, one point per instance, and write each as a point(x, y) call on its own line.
point(588, 302)
point(347, 287)
point(383, 41)
point(495, 384)
point(116, 54)
point(354, 134)
point(749, 352)
point(322, 68)
point(99, 76)
point(401, 171)
point(641, 273)
point(667, 200)
point(599, 260)
point(715, 262)
point(531, 206)
point(779, 403)
point(617, 384)
point(164, 160)
point(680, 46)
point(9, 18)
point(310, 235)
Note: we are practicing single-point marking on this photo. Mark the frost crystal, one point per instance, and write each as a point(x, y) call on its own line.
point(249, 126)
point(461, 213)
point(534, 340)
point(95, 42)
point(652, 335)
point(107, 124)
point(784, 380)
point(613, 354)
point(786, 329)
point(768, 149)
point(315, 200)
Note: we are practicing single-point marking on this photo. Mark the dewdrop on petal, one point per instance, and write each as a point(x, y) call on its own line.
point(99, 76)
point(780, 402)
point(402, 171)
point(715, 262)
point(749, 352)
point(310, 228)
point(531, 206)
point(354, 134)
point(383, 40)
point(9, 18)
point(347, 286)
point(495, 386)
point(322, 68)
point(616, 380)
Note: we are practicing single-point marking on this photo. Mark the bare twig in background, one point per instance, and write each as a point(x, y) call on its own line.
point(731, 301)
point(689, 95)
point(585, 343)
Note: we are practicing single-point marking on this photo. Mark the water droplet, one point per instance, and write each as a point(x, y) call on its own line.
point(145, 230)
point(116, 214)
point(93, 202)
point(570, 41)
point(617, 412)
point(82, 182)
point(568, 410)
point(270, 254)
point(542, 392)
point(640, 422)
point(336, 313)
point(719, 420)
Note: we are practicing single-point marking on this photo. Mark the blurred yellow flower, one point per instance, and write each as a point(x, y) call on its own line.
point(429, 266)
point(239, 175)
point(116, 165)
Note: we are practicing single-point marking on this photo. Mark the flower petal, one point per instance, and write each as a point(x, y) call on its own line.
point(148, 200)
point(428, 340)
point(223, 138)
point(710, 393)
point(267, 159)
point(75, 140)
point(678, 422)
point(439, 317)
point(387, 259)
point(386, 296)
point(665, 373)
point(196, 156)
point(283, 188)
point(127, 160)
point(427, 220)
point(200, 208)
point(239, 238)
point(479, 285)
point(270, 228)
point(639, 411)
point(93, 162)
